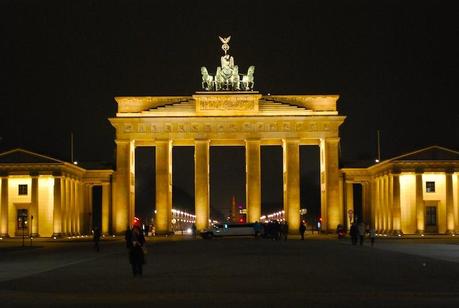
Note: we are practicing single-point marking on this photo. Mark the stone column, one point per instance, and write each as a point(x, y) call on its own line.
point(4, 207)
point(105, 207)
point(72, 207)
point(66, 206)
point(90, 208)
point(201, 183)
point(253, 186)
point(390, 201)
point(367, 212)
point(449, 202)
point(332, 213)
point(396, 203)
point(57, 211)
point(372, 217)
point(163, 186)
point(456, 205)
point(124, 185)
point(377, 207)
point(419, 204)
point(34, 207)
point(291, 166)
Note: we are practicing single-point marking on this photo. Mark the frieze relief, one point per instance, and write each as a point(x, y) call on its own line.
point(194, 127)
point(233, 104)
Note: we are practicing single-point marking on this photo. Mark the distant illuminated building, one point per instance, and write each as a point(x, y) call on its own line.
point(47, 197)
point(415, 193)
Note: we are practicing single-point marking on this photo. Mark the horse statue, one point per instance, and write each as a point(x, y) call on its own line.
point(207, 80)
point(219, 80)
point(248, 80)
point(234, 79)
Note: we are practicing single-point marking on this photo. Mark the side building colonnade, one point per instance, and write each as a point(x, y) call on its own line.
point(235, 119)
point(45, 197)
point(415, 193)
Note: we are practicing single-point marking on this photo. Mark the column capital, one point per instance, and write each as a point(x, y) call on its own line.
point(395, 172)
point(290, 140)
point(122, 141)
point(449, 171)
point(331, 139)
point(419, 171)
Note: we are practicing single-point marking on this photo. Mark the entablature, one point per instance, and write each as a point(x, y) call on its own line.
point(228, 127)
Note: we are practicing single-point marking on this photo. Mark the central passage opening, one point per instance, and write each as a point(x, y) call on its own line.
point(310, 186)
point(182, 188)
point(227, 183)
point(272, 193)
point(145, 184)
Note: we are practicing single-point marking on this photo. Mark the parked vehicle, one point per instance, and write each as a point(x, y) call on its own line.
point(228, 229)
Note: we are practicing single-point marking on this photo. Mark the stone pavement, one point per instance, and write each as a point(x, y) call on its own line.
point(228, 272)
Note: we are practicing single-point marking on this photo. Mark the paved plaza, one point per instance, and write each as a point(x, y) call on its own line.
point(181, 272)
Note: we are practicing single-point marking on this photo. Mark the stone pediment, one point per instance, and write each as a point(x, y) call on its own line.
point(20, 156)
point(432, 153)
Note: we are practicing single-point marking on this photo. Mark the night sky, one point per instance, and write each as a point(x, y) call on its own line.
point(394, 64)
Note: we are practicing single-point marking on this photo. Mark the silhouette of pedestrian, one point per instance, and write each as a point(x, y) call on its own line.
point(285, 230)
point(96, 238)
point(361, 231)
point(128, 237)
point(372, 235)
point(354, 233)
point(302, 229)
point(136, 254)
point(193, 230)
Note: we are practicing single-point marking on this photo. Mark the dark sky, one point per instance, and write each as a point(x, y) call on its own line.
point(394, 63)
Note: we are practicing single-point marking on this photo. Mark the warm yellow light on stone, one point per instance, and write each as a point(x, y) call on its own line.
point(228, 119)
point(45, 205)
point(201, 165)
point(253, 184)
point(16, 201)
point(408, 203)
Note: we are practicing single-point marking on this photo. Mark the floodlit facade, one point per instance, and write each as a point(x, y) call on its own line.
point(415, 193)
point(229, 118)
point(45, 197)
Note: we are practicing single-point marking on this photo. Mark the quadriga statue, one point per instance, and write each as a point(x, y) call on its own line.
point(207, 80)
point(248, 80)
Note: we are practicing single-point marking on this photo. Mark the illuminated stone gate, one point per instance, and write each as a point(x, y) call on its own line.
point(230, 118)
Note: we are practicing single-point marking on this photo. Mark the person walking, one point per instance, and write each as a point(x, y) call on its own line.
point(136, 254)
point(302, 229)
point(372, 235)
point(361, 231)
point(128, 237)
point(285, 230)
point(353, 233)
point(96, 238)
point(193, 230)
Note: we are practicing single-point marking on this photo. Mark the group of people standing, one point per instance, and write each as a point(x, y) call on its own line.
point(358, 232)
point(274, 230)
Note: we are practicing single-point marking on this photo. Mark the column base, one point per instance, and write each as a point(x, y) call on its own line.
point(397, 233)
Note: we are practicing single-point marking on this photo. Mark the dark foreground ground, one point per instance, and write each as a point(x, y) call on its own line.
point(240, 272)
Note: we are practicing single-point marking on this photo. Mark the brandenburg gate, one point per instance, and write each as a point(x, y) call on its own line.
point(226, 113)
